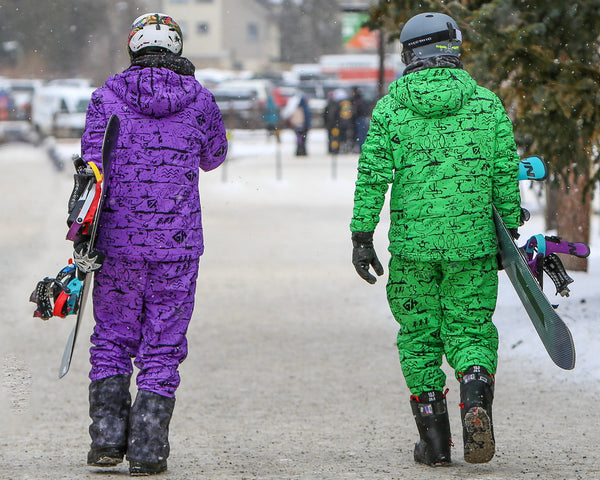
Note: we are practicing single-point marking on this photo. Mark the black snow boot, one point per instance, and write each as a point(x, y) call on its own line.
point(148, 446)
point(431, 414)
point(476, 397)
point(110, 402)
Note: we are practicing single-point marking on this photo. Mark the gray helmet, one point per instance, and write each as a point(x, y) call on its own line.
point(430, 35)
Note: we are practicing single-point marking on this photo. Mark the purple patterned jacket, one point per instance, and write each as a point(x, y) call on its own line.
point(170, 127)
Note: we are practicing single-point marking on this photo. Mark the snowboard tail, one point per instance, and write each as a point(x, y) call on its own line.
point(552, 330)
point(533, 168)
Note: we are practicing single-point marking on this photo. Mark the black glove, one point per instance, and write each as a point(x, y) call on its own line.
point(525, 216)
point(364, 256)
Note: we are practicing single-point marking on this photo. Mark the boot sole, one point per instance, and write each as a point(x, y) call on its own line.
point(442, 463)
point(141, 469)
point(480, 445)
point(422, 454)
point(105, 462)
point(105, 457)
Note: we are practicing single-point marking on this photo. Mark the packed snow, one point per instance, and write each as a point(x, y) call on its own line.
point(293, 369)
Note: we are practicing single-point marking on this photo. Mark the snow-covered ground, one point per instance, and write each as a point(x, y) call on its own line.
point(293, 370)
point(579, 310)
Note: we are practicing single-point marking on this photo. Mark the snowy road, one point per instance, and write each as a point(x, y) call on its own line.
point(292, 371)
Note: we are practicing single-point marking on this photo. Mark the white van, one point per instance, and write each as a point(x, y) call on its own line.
point(60, 110)
point(261, 87)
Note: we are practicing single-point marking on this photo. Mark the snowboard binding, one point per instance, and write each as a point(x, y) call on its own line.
point(83, 201)
point(540, 253)
point(540, 250)
point(525, 267)
point(57, 297)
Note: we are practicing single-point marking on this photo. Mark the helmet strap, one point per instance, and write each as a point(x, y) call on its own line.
point(445, 35)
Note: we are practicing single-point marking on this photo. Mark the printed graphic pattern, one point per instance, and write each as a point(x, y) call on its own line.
point(446, 145)
point(170, 127)
point(150, 225)
point(443, 308)
point(142, 310)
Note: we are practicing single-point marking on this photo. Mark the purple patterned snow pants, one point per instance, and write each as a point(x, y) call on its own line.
point(142, 311)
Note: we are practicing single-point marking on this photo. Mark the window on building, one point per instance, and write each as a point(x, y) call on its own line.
point(252, 31)
point(202, 28)
point(179, 1)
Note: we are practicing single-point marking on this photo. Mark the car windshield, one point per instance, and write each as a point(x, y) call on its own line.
point(234, 95)
point(82, 105)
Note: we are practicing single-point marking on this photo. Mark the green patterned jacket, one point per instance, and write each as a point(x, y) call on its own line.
point(447, 147)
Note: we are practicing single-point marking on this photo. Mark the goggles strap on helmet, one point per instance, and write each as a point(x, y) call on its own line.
point(450, 34)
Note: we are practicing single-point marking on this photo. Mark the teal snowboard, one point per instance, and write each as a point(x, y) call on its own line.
point(533, 168)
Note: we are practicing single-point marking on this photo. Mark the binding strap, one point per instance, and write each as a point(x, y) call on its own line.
point(555, 269)
point(57, 297)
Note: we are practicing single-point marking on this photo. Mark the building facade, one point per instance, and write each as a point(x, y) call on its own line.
point(227, 34)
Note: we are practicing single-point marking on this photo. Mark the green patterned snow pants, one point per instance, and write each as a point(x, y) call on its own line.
point(443, 308)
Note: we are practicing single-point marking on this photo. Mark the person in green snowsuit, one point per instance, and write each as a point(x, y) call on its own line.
point(446, 145)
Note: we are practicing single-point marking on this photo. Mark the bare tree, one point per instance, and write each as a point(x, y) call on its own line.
point(67, 37)
point(309, 29)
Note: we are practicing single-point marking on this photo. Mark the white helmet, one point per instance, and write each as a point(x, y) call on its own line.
point(155, 30)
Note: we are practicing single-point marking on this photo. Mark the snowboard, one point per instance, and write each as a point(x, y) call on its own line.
point(552, 330)
point(108, 145)
point(533, 168)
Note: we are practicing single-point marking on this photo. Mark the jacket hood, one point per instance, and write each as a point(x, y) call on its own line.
point(152, 91)
point(434, 92)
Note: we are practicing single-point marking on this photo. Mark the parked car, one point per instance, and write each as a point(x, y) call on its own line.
point(17, 131)
point(60, 110)
point(261, 87)
point(7, 105)
point(23, 90)
point(70, 82)
point(239, 108)
point(243, 101)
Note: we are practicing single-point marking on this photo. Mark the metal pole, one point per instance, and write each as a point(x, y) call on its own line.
point(334, 166)
point(278, 166)
point(381, 50)
point(229, 135)
point(224, 170)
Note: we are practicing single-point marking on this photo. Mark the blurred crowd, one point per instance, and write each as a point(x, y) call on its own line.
point(32, 110)
point(346, 118)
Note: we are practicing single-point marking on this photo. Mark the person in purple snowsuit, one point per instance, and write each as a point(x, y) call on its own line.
point(150, 232)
